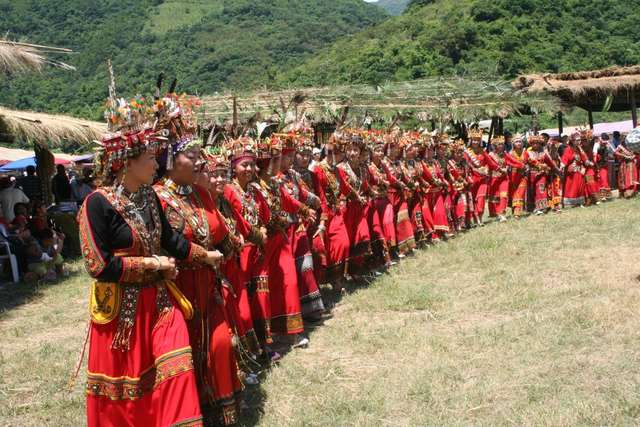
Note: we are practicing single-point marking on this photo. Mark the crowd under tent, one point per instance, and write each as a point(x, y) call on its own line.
point(613, 89)
point(45, 131)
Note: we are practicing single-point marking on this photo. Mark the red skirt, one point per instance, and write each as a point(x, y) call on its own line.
point(379, 248)
point(153, 382)
point(240, 305)
point(211, 340)
point(498, 195)
point(286, 312)
point(337, 246)
point(574, 189)
point(479, 192)
point(592, 183)
point(310, 297)
point(627, 178)
point(254, 264)
point(355, 221)
point(439, 211)
point(538, 184)
point(518, 193)
point(603, 182)
point(405, 239)
point(385, 212)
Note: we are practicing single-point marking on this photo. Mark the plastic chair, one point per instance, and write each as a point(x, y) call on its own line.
point(13, 261)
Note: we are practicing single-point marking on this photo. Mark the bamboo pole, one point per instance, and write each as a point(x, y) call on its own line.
point(634, 109)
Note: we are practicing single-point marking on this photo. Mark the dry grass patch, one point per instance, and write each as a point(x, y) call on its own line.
point(526, 323)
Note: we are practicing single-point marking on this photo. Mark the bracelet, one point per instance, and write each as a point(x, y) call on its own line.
point(157, 258)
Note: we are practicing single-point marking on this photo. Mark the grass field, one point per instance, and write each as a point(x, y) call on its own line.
point(535, 322)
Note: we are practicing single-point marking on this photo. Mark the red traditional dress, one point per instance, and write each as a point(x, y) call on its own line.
point(478, 163)
point(251, 212)
point(518, 183)
point(435, 192)
point(310, 297)
point(592, 182)
point(336, 242)
point(602, 164)
point(573, 161)
point(140, 367)
point(239, 281)
point(397, 193)
point(627, 172)
point(419, 205)
point(461, 197)
point(540, 164)
point(499, 184)
point(286, 312)
point(354, 185)
point(191, 211)
point(381, 219)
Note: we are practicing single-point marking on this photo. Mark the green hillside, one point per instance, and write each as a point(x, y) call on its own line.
point(208, 44)
point(393, 7)
point(504, 37)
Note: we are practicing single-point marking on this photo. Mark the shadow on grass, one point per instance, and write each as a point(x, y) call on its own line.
point(255, 396)
point(13, 295)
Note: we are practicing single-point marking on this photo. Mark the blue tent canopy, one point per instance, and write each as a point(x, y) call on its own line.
point(18, 164)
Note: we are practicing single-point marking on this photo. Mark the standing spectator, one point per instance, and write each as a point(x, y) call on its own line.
point(82, 187)
point(30, 184)
point(60, 185)
point(9, 197)
point(616, 139)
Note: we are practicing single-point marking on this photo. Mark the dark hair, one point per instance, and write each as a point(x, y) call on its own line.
point(18, 205)
point(31, 170)
point(616, 134)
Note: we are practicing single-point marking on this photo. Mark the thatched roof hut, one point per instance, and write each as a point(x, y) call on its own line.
point(16, 57)
point(611, 89)
point(45, 129)
point(443, 99)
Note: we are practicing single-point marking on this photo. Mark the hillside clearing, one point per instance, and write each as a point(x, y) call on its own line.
point(525, 323)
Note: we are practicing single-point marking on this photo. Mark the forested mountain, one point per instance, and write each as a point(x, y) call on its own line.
point(393, 7)
point(503, 37)
point(208, 44)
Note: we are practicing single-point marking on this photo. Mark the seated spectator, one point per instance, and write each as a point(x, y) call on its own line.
point(20, 219)
point(44, 259)
point(9, 197)
point(30, 184)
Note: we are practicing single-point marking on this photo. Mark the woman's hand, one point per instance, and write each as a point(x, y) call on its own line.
point(213, 258)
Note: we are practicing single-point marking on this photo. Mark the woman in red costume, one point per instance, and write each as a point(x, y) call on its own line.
point(310, 298)
point(518, 179)
point(499, 184)
point(540, 167)
point(251, 214)
point(286, 311)
point(592, 182)
point(627, 172)
point(191, 210)
point(418, 203)
point(332, 231)
point(573, 163)
point(437, 187)
point(354, 185)
point(477, 160)
point(398, 193)
point(215, 178)
point(140, 367)
point(463, 211)
point(381, 180)
point(555, 179)
point(603, 154)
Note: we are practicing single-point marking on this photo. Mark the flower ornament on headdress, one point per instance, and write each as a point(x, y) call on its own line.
point(498, 140)
point(237, 150)
point(476, 134)
point(533, 139)
point(176, 114)
point(131, 133)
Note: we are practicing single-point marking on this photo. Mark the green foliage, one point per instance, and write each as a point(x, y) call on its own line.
point(207, 45)
point(393, 7)
point(504, 37)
